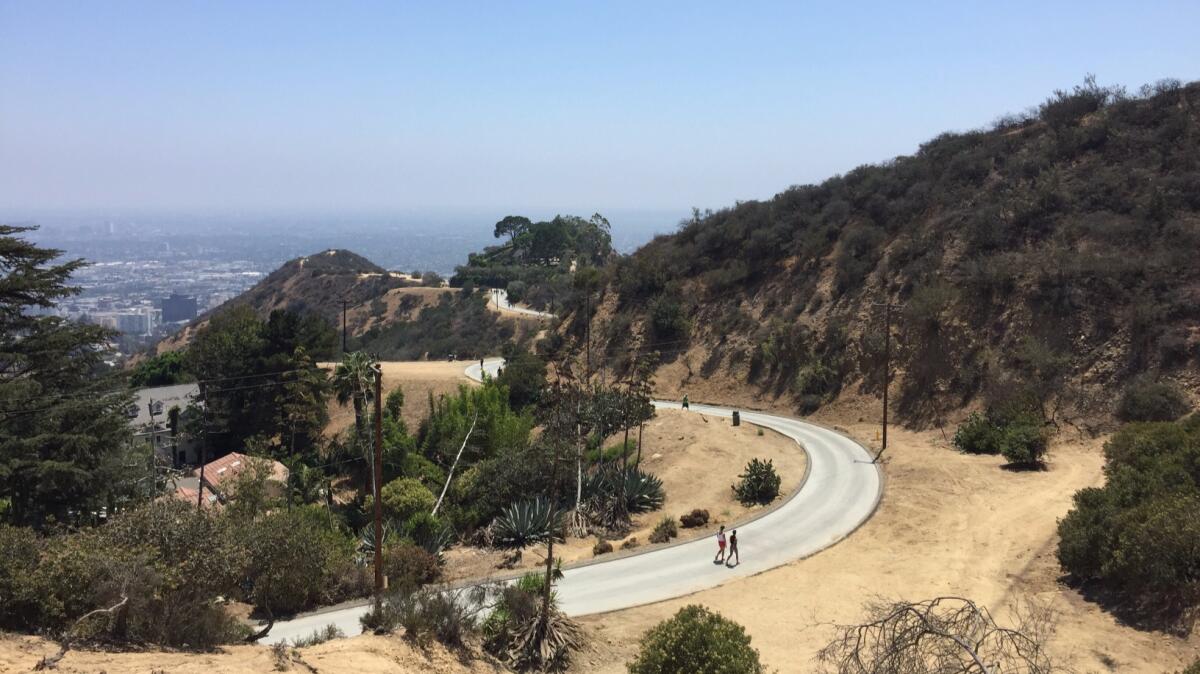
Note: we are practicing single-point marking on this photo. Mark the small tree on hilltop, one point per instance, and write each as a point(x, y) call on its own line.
point(696, 641)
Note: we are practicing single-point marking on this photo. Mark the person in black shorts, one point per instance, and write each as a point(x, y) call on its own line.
point(733, 550)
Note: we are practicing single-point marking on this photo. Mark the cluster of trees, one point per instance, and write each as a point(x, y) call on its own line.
point(1137, 534)
point(259, 380)
point(537, 261)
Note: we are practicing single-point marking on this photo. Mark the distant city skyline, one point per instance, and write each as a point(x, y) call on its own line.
point(359, 108)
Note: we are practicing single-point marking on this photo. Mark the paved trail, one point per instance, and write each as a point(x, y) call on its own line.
point(841, 492)
point(498, 298)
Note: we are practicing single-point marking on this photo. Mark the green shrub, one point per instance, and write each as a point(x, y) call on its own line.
point(1017, 435)
point(1193, 668)
point(696, 641)
point(146, 556)
point(1023, 441)
point(759, 484)
point(977, 435)
point(1137, 533)
point(293, 558)
point(404, 497)
point(664, 531)
point(1151, 401)
point(20, 551)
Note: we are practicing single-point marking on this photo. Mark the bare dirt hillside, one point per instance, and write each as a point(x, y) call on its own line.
point(417, 379)
point(948, 524)
point(697, 458)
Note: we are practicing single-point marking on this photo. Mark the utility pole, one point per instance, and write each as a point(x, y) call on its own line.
point(378, 479)
point(345, 304)
point(887, 371)
point(153, 439)
point(588, 338)
point(203, 445)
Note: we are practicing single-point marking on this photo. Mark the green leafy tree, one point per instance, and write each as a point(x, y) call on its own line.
point(696, 641)
point(524, 375)
point(63, 435)
point(162, 370)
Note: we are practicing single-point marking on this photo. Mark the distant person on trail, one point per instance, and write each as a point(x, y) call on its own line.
point(720, 546)
point(685, 406)
point(733, 551)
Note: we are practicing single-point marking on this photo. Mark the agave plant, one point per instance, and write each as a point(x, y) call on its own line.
point(633, 490)
point(527, 522)
point(434, 540)
point(366, 541)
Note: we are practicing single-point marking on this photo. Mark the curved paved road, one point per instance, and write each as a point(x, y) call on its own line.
point(498, 297)
point(841, 492)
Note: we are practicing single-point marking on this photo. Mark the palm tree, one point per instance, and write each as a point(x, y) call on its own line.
point(353, 381)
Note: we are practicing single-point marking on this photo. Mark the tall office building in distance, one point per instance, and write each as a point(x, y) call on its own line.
point(178, 308)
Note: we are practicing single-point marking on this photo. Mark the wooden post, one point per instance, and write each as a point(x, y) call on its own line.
point(378, 486)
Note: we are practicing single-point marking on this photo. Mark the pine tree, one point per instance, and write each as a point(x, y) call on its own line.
point(65, 443)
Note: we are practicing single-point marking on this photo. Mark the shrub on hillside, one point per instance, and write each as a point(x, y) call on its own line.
point(696, 518)
point(759, 484)
point(602, 547)
point(1017, 435)
point(145, 558)
point(411, 566)
point(696, 641)
point(664, 531)
point(977, 435)
point(404, 497)
point(1151, 401)
point(1137, 533)
point(293, 559)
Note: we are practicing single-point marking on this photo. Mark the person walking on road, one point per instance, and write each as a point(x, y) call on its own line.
point(720, 547)
point(685, 404)
point(733, 551)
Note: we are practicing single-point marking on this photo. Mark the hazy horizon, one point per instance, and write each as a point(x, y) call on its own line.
point(224, 110)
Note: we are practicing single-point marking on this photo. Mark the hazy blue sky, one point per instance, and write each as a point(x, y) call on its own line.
point(511, 107)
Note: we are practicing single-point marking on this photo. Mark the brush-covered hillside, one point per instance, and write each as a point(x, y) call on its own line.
point(1055, 255)
point(318, 284)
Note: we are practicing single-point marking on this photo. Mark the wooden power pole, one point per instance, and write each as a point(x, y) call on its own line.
point(345, 303)
point(887, 372)
point(377, 486)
